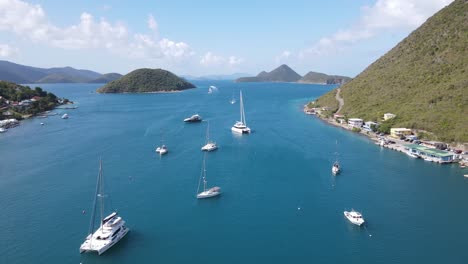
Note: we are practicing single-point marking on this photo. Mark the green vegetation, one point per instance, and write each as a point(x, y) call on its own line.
point(281, 74)
point(11, 92)
point(328, 100)
point(423, 80)
point(145, 81)
point(356, 129)
point(386, 125)
point(322, 78)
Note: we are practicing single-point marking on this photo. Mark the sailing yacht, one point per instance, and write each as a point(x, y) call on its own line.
point(206, 193)
point(210, 145)
point(241, 126)
point(163, 148)
point(112, 228)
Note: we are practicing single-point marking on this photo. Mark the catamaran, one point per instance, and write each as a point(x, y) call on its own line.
point(210, 192)
point(210, 145)
point(112, 228)
point(241, 126)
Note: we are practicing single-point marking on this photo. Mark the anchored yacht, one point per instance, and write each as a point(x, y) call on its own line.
point(193, 119)
point(111, 230)
point(207, 192)
point(354, 217)
point(241, 126)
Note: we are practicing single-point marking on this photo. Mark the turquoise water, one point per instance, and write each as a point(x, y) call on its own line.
point(416, 211)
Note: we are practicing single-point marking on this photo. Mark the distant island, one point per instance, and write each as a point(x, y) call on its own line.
point(18, 73)
point(322, 78)
point(19, 102)
point(422, 81)
point(285, 74)
point(146, 81)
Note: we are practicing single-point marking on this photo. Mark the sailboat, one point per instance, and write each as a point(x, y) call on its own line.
point(336, 166)
point(241, 126)
point(233, 100)
point(206, 193)
point(112, 228)
point(162, 149)
point(210, 145)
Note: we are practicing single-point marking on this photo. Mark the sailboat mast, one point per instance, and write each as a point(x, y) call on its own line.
point(101, 191)
point(241, 107)
point(96, 194)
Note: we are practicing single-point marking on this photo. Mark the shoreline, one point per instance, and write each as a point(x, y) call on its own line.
point(399, 145)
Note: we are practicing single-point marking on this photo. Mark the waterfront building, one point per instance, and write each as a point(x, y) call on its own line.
point(398, 132)
point(431, 154)
point(355, 122)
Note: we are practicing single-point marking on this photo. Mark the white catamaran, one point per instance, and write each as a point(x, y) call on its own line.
point(112, 227)
point(241, 126)
point(209, 145)
point(206, 193)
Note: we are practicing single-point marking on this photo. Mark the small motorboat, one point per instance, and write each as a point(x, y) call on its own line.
point(193, 119)
point(65, 116)
point(336, 168)
point(42, 124)
point(162, 150)
point(354, 217)
point(210, 146)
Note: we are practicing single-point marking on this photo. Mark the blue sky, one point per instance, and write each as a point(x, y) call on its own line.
point(208, 37)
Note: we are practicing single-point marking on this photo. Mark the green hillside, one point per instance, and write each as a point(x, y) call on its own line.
point(146, 81)
point(423, 80)
point(10, 92)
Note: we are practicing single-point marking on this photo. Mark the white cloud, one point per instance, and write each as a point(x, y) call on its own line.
point(152, 24)
point(233, 60)
point(384, 15)
point(30, 21)
point(8, 51)
point(283, 57)
point(210, 59)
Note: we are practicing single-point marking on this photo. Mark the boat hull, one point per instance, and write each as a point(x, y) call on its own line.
point(209, 147)
point(85, 248)
point(245, 130)
point(352, 220)
point(205, 195)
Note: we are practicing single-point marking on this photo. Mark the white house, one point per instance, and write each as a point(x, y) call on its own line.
point(368, 125)
point(355, 122)
point(388, 116)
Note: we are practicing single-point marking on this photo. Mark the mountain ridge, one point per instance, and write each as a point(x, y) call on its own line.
point(18, 73)
point(422, 80)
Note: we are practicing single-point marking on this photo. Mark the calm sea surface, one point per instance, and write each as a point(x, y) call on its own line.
point(280, 203)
